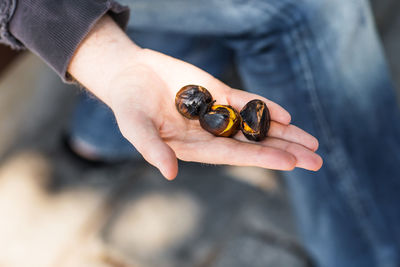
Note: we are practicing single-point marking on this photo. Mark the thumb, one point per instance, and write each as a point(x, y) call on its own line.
point(144, 136)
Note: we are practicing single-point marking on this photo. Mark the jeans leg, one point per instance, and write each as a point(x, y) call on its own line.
point(322, 60)
point(94, 124)
point(171, 28)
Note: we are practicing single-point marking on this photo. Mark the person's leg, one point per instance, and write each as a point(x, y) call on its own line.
point(94, 134)
point(173, 29)
point(322, 60)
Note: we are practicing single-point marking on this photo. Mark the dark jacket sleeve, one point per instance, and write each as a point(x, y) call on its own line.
point(53, 29)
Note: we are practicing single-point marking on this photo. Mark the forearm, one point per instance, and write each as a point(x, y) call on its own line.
point(102, 54)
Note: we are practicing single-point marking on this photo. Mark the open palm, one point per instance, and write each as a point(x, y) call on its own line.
point(143, 103)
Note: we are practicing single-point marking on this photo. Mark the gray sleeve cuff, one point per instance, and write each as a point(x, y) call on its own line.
point(7, 8)
point(54, 29)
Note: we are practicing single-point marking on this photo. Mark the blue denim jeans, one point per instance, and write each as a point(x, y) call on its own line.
point(322, 61)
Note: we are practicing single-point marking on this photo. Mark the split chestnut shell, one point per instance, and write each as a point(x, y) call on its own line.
point(255, 120)
point(190, 99)
point(220, 120)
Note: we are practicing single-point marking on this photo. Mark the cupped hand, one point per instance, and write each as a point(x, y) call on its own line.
point(142, 97)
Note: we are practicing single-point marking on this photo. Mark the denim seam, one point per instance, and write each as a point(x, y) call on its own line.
point(338, 158)
point(289, 21)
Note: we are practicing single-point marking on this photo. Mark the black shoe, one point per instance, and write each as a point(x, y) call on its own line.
point(94, 163)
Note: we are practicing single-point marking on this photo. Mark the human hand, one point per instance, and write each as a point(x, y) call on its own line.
point(141, 88)
point(143, 103)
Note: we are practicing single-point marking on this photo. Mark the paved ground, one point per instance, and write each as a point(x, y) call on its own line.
point(58, 212)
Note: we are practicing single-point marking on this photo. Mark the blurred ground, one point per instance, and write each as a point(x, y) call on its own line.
point(59, 212)
point(56, 211)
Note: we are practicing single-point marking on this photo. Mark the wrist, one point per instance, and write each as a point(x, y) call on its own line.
point(104, 53)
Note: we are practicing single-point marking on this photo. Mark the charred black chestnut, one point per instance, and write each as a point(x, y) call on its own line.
point(255, 120)
point(190, 99)
point(220, 120)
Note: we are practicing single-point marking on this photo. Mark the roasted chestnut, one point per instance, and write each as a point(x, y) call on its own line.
point(190, 99)
point(255, 120)
point(220, 120)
